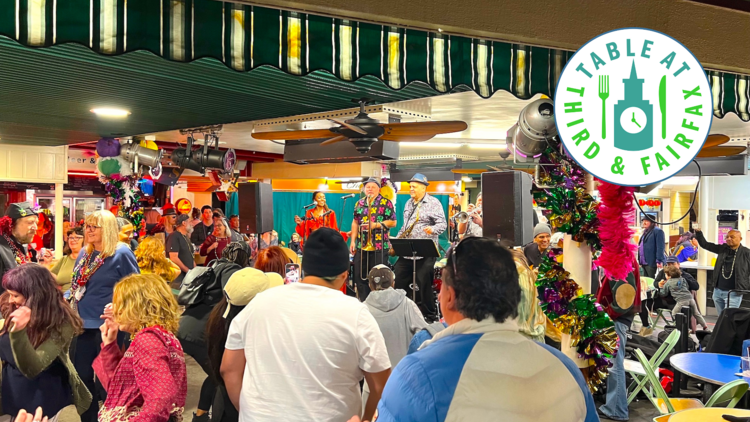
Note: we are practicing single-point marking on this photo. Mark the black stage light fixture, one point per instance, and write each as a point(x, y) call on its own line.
point(202, 158)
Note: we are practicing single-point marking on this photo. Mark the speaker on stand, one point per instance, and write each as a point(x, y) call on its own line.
point(255, 207)
point(507, 206)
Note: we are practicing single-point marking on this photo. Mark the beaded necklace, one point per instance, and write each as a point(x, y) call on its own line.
point(84, 270)
point(731, 271)
point(21, 258)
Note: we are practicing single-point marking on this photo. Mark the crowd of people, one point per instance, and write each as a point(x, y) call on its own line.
point(102, 333)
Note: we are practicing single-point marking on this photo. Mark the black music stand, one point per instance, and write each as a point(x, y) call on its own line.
point(405, 248)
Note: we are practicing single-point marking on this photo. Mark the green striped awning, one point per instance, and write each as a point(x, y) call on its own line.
point(245, 37)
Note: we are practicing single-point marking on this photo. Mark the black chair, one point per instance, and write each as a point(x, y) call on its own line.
point(732, 328)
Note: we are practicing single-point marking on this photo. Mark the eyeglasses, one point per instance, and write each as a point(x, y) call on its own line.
point(76, 238)
point(92, 228)
point(452, 252)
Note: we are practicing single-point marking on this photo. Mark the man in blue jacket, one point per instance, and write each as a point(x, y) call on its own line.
point(651, 248)
point(481, 368)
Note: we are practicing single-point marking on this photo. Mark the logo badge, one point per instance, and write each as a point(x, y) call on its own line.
point(633, 107)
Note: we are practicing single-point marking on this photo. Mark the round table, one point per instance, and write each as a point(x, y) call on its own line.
point(706, 414)
point(709, 367)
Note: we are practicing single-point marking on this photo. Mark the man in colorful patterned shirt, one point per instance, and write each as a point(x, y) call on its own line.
point(424, 218)
point(380, 210)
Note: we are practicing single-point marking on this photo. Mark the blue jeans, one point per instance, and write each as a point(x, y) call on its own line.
point(617, 392)
point(720, 300)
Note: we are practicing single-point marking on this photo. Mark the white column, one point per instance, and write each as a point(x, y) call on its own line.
point(704, 258)
point(59, 219)
point(577, 261)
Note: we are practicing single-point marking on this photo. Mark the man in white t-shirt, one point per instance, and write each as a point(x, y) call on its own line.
point(299, 352)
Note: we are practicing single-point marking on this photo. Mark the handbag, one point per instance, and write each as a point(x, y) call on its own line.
point(193, 288)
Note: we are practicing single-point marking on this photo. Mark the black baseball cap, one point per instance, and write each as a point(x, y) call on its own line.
point(19, 210)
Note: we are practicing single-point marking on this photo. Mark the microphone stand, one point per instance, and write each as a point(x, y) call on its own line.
point(305, 226)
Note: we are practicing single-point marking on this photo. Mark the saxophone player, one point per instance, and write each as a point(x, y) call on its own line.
point(374, 216)
point(424, 218)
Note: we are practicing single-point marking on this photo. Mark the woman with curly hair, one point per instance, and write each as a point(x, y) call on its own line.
point(149, 382)
point(34, 343)
point(102, 262)
point(151, 258)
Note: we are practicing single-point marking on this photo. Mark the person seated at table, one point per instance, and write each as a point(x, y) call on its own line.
point(666, 302)
point(676, 286)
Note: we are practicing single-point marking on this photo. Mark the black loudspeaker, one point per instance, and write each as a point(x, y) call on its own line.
point(507, 208)
point(256, 207)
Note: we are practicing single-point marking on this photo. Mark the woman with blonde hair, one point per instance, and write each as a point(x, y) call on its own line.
point(149, 382)
point(151, 258)
point(531, 319)
point(101, 263)
point(215, 243)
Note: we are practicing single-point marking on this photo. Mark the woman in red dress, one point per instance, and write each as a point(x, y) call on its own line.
point(319, 216)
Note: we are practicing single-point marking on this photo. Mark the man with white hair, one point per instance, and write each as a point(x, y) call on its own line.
point(732, 269)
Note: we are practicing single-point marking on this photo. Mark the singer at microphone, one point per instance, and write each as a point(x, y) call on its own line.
point(318, 216)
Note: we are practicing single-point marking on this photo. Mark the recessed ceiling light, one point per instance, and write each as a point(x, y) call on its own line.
point(110, 112)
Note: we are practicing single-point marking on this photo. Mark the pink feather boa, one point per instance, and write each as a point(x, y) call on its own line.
point(615, 212)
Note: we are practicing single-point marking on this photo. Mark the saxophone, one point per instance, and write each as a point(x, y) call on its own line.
point(407, 232)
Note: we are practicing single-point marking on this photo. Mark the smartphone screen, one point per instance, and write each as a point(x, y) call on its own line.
point(292, 272)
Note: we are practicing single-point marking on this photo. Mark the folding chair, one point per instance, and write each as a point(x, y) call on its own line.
point(731, 393)
point(638, 372)
point(661, 402)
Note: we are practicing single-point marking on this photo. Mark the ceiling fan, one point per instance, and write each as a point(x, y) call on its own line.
point(712, 147)
point(363, 131)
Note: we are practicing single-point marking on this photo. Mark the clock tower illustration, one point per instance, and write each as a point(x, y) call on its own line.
point(633, 117)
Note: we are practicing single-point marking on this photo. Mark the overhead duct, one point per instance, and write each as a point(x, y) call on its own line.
point(309, 151)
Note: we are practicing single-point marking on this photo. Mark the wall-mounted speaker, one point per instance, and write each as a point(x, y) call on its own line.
point(507, 207)
point(256, 207)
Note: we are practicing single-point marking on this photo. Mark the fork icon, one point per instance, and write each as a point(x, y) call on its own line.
point(604, 94)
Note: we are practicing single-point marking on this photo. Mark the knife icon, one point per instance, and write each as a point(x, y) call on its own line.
point(663, 105)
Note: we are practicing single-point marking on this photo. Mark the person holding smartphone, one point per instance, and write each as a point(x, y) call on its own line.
point(732, 269)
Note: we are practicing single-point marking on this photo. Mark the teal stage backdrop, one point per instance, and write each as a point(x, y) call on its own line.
point(288, 204)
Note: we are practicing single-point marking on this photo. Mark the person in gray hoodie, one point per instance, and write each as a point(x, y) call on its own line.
point(397, 316)
point(677, 287)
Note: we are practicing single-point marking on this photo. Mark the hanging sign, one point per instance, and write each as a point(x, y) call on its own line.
point(650, 204)
point(183, 206)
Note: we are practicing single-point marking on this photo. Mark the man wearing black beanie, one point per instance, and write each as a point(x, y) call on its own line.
point(315, 341)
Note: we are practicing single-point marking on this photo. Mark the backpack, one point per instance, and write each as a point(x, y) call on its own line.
point(193, 288)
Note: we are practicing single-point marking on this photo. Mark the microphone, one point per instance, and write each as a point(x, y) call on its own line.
point(314, 204)
point(326, 213)
point(351, 195)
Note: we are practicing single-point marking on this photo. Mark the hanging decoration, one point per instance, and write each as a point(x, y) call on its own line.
point(562, 193)
point(591, 330)
point(121, 178)
point(388, 190)
point(615, 212)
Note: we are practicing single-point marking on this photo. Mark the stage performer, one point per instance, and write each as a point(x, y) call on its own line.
point(17, 229)
point(376, 211)
point(319, 216)
point(424, 218)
